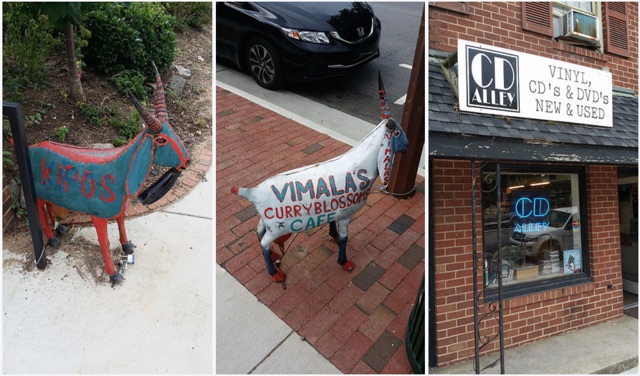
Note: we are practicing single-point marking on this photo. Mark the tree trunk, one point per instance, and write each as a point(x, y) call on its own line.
point(77, 93)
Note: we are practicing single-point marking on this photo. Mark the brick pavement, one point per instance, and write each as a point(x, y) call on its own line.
point(356, 320)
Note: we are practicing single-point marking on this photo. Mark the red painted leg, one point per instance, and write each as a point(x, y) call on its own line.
point(45, 224)
point(52, 216)
point(122, 230)
point(127, 246)
point(101, 229)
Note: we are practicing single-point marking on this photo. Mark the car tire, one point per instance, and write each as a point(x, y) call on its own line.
point(264, 63)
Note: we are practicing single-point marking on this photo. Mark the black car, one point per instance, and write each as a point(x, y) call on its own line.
point(296, 41)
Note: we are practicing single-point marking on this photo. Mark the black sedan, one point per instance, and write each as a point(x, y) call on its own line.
point(297, 42)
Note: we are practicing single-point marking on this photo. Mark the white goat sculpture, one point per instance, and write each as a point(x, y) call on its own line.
point(328, 192)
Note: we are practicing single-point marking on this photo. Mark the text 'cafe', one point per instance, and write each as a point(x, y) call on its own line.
point(533, 171)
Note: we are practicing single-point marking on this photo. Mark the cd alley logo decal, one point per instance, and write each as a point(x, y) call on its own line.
point(492, 79)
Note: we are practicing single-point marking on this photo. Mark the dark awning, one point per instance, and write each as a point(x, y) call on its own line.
point(454, 134)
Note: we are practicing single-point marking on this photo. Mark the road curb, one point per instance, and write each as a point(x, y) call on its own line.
point(619, 367)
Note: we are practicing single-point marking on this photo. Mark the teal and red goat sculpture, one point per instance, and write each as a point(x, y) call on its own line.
point(328, 192)
point(100, 182)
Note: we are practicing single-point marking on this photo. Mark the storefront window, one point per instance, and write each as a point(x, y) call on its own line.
point(540, 226)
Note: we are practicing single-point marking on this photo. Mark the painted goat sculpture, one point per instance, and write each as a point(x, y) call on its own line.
point(329, 192)
point(100, 182)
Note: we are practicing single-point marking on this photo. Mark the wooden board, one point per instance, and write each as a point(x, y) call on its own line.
point(526, 272)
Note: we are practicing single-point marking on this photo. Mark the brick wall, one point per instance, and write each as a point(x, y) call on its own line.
point(530, 317)
point(8, 215)
point(500, 24)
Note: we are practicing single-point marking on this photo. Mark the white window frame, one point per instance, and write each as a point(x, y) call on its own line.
point(561, 8)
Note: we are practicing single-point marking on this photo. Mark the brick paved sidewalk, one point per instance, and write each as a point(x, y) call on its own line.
point(356, 320)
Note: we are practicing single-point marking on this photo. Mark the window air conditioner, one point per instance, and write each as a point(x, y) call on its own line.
point(582, 26)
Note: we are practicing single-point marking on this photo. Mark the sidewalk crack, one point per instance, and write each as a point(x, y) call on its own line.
point(271, 352)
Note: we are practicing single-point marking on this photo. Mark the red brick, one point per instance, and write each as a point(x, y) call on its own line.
point(399, 363)
point(363, 368)
point(319, 325)
point(327, 345)
point(289, 300)
point(372, 298)
point(377, 322)
point(346, 358)
point(348, 323)
point(393, 276)
point(346, 298)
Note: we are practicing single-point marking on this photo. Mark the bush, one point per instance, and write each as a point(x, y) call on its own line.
point(133, 81)
point(129, 36)
point(193, 14)
point(26, 45)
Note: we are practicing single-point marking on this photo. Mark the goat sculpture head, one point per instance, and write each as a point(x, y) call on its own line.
point(168, 149)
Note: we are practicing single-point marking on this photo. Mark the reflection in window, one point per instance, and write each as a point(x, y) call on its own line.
point(540, 226)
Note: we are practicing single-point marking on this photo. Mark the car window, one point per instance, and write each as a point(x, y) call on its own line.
point(557, 218)
point(241, 5)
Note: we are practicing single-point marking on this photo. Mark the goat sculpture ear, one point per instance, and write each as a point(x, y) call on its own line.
point(384, 107)
point(152, 122)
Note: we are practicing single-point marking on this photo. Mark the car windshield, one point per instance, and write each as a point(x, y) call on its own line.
point(557, 218)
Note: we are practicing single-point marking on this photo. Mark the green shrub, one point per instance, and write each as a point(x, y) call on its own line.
point(127, 128)
point(26, 45)
point(193, 14)
point(131, 80)
point(129, 36)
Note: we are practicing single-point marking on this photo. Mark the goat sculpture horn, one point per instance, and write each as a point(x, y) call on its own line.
point(152, 122)
point(384, 107)
point(161, 106)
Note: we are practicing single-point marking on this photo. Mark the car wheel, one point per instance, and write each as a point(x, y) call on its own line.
point(264, 64)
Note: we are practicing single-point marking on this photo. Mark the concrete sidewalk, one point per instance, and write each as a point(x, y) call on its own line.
point(158, 321)
point(271, 348)
point(608, 348)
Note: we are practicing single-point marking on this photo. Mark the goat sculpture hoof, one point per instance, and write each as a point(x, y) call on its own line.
point(127, 248)
point(53, 242)
point(62, 230)
point(279, 276)
point(348, 266)
point(116, 279)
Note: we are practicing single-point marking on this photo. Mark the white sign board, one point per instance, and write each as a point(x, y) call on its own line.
point(497, 81)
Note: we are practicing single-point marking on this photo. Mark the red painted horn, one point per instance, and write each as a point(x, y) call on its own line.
point(161, 106)
point(384, 107)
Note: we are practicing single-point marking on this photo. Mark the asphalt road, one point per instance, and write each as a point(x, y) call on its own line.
point(357, 93)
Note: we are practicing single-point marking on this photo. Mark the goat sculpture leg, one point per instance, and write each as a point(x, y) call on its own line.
point(101, 229)
point(127, 246)
point(269, 257)
point(51, 240)
point(343, 225)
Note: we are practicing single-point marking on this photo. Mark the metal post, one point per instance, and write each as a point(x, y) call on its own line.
point(486, 312)
point(405, 165)
point(500, 322)
point(13, 111)
point(476, 329)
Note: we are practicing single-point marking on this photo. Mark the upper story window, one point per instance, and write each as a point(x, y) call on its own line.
point(578, 22)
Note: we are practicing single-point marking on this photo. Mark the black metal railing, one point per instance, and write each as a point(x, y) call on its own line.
point(13, 112)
